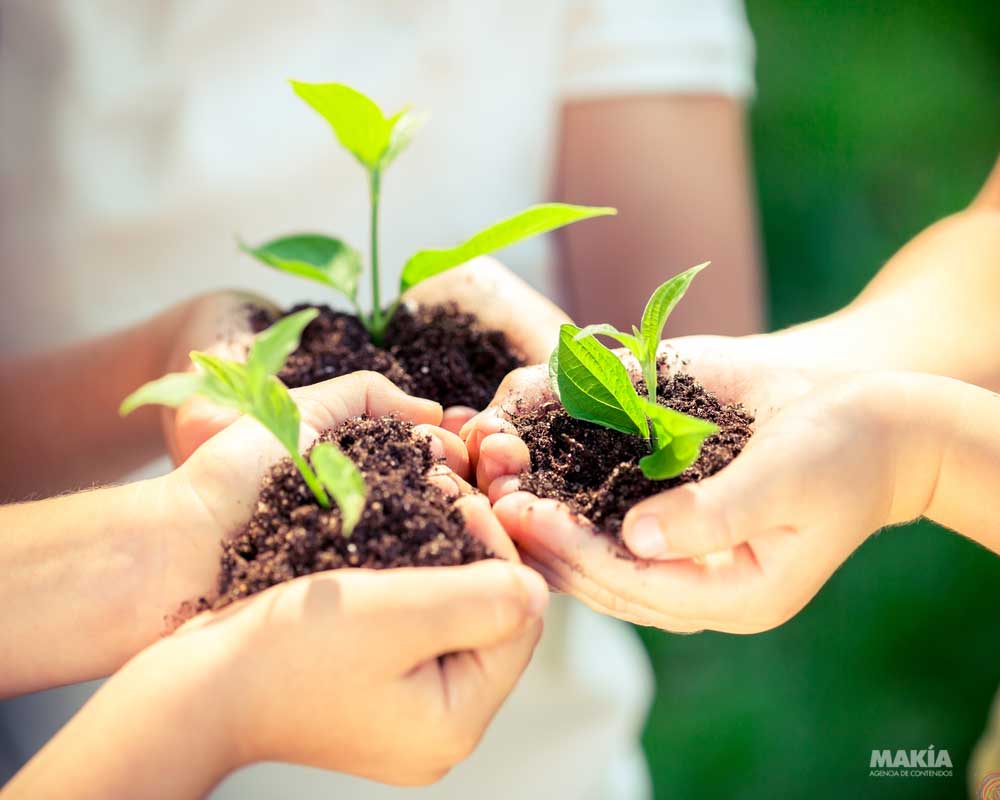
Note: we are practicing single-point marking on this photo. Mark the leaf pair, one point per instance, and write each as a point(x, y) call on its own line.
point(369, 135)
point(253, 389)
point(335, 264)
point(595, 386)
point(375, 140)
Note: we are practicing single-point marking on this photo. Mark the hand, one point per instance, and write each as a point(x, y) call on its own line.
point(741, 551)
point(390, 675)
point(209, 495)
point(503, 302)
point(218, 323)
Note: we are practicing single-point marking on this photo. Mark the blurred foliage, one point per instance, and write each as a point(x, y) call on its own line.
point(871, 121)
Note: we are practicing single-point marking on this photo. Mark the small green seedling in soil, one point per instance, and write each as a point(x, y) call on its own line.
point(595, 386)
point(375, 140)
point(253, 389)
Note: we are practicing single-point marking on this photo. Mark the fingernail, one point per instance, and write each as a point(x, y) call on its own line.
point(536, 590)
point(645, 538)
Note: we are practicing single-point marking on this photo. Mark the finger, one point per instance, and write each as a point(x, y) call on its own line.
point(430, 611)
point(484, 424)
point(478, 683)
point(761, 490)
point(676, 595)
point(503, 486)
point(481, 522)
point(328, 403)
point(455, 418)
point(194, 423)
point(441, 476)
point(446, 445)
point(501, 454)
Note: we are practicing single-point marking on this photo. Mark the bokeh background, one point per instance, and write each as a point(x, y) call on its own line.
point(871, 121)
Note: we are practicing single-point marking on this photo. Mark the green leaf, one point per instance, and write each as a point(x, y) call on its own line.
point(530, 222)
point(272, 406)
point(679, 437)
point(227, 381)
point(314, 256)
point(170, 390)
point(634, 345)
point(405, 126)
point(595, 386)
point(554, 370)
point(356, 120)
point(272, 347)
point(663, 301)
point(343, 480)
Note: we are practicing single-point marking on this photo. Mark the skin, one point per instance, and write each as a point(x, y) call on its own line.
point(132, 554)
point(633, 153)
point(745, 550)
point(391, 675)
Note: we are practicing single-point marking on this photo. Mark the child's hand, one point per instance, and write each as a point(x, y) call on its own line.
point(218, 323)
point(390, 675)
point(503, 302)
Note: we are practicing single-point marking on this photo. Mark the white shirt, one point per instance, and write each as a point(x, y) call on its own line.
point(137, 139)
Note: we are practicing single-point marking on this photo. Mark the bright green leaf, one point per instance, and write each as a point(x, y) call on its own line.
point(663, 301)
point(554, 370)
point(595, 386)
point(228, 381)
point(314, 256)
point(530, 222)
point(634, 345)
point(343, 480)
point(272, 347)
point(679, 438)
point(405, 126)
point(356, 120)
point(170, 390)
point(272, 406)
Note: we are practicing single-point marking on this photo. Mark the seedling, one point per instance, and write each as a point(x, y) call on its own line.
point(595, 386)
point(253, 389)
point(375, 140)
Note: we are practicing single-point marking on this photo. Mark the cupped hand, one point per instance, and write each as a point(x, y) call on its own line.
point(741, 551)
point(503, 302)
point(213, 493)
point(218, 323)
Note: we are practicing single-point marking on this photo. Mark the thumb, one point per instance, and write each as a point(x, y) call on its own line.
point(760, 491)
point(429, 612)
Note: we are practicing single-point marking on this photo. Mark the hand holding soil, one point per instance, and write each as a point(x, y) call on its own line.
point(390, 675)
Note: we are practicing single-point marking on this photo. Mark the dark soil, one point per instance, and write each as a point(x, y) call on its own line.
point(436, 352)
point(596, 471)
point(407, 521)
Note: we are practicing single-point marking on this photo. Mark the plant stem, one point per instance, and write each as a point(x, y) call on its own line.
point(649, 373)
point(375, 185)
point(311, 480)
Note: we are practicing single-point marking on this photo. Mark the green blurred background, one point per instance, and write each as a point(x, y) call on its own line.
point(872, 120)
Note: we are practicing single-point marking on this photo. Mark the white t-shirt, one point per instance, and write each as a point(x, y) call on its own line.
point(138, 138)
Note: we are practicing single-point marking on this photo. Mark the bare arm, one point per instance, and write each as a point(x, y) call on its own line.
point(934, 307)
point(676, 168)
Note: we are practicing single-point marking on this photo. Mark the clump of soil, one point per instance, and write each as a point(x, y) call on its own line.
point(407, 521)
point(596, 471)
point(438, 352)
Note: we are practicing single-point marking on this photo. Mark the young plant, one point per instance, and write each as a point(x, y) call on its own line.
point(253, 389)
point(595, 386)
point(375, 140)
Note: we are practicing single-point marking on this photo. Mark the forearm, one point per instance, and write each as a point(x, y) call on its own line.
point(932, 308)
point(676, 167)
point(948, 459)
point(89, 579)
point(155, 730)
point(59, 420)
